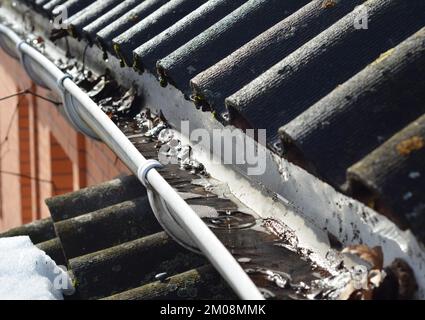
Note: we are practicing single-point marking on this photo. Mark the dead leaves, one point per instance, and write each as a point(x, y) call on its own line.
point(395, 282)
point(326, 4)
point(362, 276)
point(406, 147)
point(364, 280)
point(407, 285)
point(373, 256)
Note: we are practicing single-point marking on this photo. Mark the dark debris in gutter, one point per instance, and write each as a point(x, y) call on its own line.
point(277, 279)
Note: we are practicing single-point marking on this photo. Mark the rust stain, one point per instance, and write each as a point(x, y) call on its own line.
point(406, 147)
point(326, 4)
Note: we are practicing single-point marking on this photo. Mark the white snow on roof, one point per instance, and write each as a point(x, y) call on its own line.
point(27, 273)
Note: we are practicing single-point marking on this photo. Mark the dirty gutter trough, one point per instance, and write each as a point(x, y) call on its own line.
point(181, 221)
point(307, 205)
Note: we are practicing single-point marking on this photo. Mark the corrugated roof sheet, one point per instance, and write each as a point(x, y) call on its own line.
point(113, 246)
point(299, 69)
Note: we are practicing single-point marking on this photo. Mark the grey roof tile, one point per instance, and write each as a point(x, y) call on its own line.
point(40, 3)
point(38, 231)
point(89, 14)
point(73, 7)
point(105, 36)
point(360, 114)
point(49, 6)
point(392, 176)
point(221, 39)
point(119, 247)
point(89, 31)
point(235, 71)
point(274, 63)
point(129, 265)
point(53, 248)
point(94, 198)
point(203, 282)
point(107, 227)
point(334, 56)
point(152, 25)
point(148, 53)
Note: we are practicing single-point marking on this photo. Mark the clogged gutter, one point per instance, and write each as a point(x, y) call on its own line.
point(267, 249)
point(315, 286)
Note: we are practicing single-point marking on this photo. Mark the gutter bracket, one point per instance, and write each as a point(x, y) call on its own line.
point(70, 107)
point(88, 118)
point(162, 211)
point(169, 223)
point(8, 40)
point(26, 63)
point(144, 169)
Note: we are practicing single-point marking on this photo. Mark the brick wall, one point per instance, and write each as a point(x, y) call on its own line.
point(25, 158)
point(41, 155)
point(61, 169)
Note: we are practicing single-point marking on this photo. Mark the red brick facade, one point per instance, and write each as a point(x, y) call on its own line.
point(41, 155)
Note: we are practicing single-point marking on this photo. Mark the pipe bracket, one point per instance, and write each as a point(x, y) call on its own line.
point(143, 170)
point(8, 41)
point(70, 110)
point(161, 211)
point(61, 80)
point(27, 63)
point(165, 217)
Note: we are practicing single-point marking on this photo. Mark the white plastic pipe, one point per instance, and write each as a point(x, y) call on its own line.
point(111, 135)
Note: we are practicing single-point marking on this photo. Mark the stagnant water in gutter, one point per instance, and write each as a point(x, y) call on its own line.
point(267, 249)
point(272, 263)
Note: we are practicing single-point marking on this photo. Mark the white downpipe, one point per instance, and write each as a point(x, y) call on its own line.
point(92, 117)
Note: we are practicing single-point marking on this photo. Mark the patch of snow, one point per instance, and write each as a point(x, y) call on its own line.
point(27, 273)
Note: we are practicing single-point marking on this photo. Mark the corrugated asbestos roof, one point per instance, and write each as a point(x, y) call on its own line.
point(97, 230)
point(333, 98)
point(114, 248)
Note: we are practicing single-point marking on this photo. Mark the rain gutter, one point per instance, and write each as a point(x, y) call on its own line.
point(173, 213)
